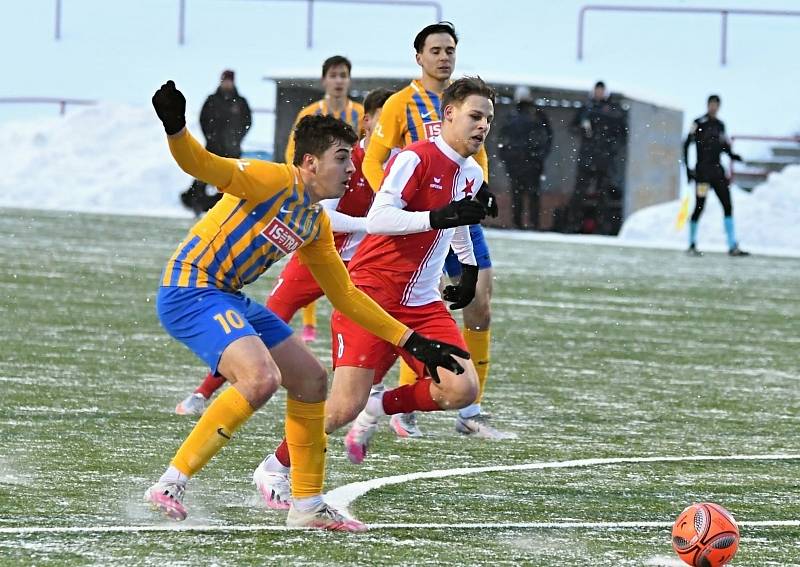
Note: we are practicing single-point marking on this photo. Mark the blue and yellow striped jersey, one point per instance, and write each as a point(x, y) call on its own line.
point(353, 114)
point(409, 115)
point(266, 213)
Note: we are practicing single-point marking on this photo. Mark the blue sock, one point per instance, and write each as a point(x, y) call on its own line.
point(730, 233)
point(692, 233)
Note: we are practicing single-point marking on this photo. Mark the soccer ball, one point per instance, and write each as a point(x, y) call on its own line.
point(705, 535)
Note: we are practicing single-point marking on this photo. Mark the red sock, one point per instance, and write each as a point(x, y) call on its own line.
point(282, 453)
point(210, 385)
point(413, 397)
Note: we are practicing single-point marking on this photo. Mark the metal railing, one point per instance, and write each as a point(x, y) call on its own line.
point(752, 138)
point(309, 13)
point(62, 102)
point(724, 12)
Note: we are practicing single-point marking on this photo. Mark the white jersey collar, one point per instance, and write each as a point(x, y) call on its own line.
point(448, 151)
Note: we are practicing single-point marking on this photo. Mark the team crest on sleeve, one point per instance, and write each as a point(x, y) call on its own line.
point(284, 238)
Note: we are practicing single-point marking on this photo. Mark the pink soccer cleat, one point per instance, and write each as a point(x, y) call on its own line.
point(167, 497)
point(309, 334)
point(357, 439)
point(323, 517)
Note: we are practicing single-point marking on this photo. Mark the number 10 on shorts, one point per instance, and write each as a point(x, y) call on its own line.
point(230, 319)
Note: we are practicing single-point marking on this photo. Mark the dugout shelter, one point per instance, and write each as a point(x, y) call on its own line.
point(647, 171)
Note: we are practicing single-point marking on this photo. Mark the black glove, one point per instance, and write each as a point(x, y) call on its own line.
point(458, 213)
point(736, 157)
point(170, 105)
point(690, 175)
point(464, 292)
point(435, 354)
point(488, 200)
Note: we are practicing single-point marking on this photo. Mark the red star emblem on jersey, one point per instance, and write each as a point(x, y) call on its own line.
point(468, 187)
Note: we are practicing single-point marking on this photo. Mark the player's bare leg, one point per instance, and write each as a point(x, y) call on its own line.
point(349, 394)
point(305, 381)
point(254, 377)
point(450, 393)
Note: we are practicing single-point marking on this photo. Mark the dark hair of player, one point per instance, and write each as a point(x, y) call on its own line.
point(315, 134)
point(599, 85)
point(458, 91)
point(441, 27)
point(375, 100)
point(335, 61)
point(713, 98)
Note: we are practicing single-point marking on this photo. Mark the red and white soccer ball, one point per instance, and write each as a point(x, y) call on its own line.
point(705, 535)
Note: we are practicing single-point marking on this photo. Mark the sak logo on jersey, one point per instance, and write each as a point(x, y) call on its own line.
point(433, 128)
point(283, 237)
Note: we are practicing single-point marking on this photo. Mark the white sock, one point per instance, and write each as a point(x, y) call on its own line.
point(307, 504)
point(374, 407)
point(470, 411)
point(173, 475)
point(272, 464)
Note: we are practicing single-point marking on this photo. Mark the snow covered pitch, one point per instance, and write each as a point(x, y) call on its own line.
point(637, 380)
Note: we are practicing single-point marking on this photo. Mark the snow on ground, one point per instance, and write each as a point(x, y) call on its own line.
point(114, 158)
point(767, 220)
point(109, 158)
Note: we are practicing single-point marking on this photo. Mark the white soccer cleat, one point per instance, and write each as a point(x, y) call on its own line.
point(405, 425)
point(194, 404)
point(324, 517)
point(356, 442)
point(167, 497)
point(478, 426)
point(274, 488)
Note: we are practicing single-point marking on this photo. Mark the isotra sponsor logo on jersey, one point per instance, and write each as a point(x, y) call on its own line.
point(282, 236)
point(433, 128)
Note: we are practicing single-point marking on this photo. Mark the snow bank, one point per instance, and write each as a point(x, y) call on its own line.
point(114, 159)
point(767, 220)
point(107, 158)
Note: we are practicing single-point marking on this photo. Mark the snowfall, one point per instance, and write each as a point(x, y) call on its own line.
point(113, 158)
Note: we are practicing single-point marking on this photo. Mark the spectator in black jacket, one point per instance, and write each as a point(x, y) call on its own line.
point(596, 204)
point(225, 120)
point(525, 142)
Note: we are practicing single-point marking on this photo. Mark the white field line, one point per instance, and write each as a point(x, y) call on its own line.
point(221, 528)
point(344, 496)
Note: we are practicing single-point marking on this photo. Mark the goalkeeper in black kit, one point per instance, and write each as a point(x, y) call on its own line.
point(708, 135)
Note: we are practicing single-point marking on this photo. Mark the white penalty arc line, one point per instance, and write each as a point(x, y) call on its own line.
point(221, 528)
point(345, 495)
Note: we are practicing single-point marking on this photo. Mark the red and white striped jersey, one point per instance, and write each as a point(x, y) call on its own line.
point(402, 258)
point(348, 212)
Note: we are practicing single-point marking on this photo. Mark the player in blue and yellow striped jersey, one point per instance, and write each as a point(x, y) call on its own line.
point(412, 114)
point(336, 72)
point(336, 82)
point(268, 211)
